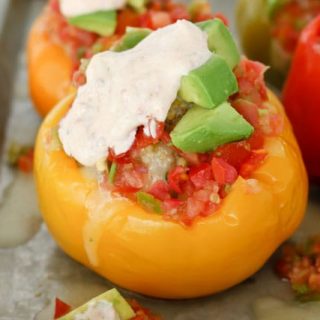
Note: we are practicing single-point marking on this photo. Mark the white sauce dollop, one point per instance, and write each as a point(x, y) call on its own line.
point(125, 90)
point(99, 310)
point(73, 8)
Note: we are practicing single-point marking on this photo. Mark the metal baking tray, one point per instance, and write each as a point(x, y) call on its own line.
point(35, 271)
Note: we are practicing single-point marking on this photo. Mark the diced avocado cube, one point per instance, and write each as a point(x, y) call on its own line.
point(202, 130)
point(210, 84)
point(102, 22)
point(113, 296)
point(220, 41)
point(131, 38)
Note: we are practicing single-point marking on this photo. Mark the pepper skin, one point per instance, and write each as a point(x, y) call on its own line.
point(254, 29)
point(142, 252)
point(301, 96)
point(49, 67)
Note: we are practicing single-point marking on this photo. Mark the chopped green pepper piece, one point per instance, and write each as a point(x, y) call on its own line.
point(149, 202)
point(112, 172)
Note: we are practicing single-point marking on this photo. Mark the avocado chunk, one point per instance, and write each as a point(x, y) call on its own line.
point(131, 38)
point(203, 130)
point(102, 22)
point(137, 5)
point(113, 296)
point(210, 84)
point(220, 41)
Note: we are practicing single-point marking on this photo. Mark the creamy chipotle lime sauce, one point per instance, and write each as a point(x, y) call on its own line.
point(125, 90)
point(99, 310)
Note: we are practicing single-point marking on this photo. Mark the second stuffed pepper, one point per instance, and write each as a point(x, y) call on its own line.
point(269, 30)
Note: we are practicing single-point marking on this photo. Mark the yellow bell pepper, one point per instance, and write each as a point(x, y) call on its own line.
point(142, 252)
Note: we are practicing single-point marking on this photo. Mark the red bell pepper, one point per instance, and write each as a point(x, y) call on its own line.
point(301, 96)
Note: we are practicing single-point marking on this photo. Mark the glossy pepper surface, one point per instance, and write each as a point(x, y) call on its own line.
point(301, 96)
point(143, 252)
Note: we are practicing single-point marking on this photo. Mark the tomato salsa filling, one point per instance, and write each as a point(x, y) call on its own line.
point(300, 265)
point(183, 186)
point(290, 19)
point(80, 43)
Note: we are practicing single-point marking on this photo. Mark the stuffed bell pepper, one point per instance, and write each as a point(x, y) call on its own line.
point(110, 305)
point(301, 96)
point(69, 30)
point(269, 30)
point(172, 171)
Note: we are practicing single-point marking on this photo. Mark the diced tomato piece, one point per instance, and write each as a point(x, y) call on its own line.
point(187, 188)
point(128, 178)
point(175, 177)
point(79, 78)
point(119, 158)
point(209, 209)
point(255, 160)
point(160, 19)
point(25, 162)
point(256, 141)
point(283, 268)
point(141, 313)
point(142, 140)
point(314, 282)
point(61, 308)
point(223, 172)
point(276, 123)
point(251, 81)
point(220, 16)
point(145, 21)
point(248, 110)
point(165, 137)
point(200, 174)
point(160, 190)
point(194, 208)
point(171, 204)
point(202, 195)
point(301, 271)
point(234, 153)
point(179, 12)
point(55, 5)
point(127, 17)
point(208, 16)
